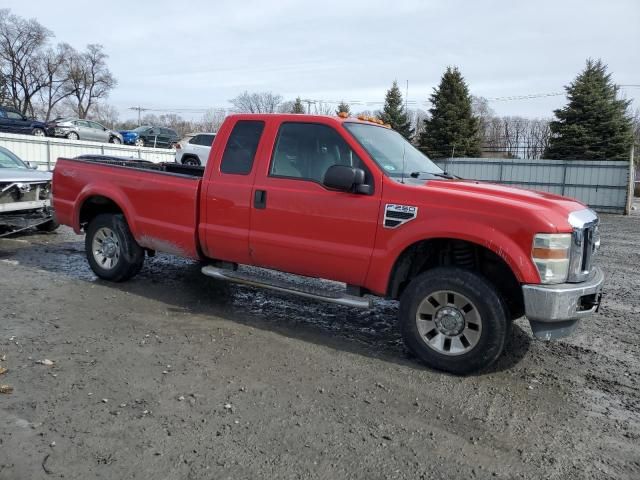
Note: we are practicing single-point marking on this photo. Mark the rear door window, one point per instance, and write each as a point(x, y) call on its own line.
point(205, 140)
point(241, 147)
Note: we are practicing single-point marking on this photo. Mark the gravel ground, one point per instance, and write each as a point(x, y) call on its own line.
point(173, 375)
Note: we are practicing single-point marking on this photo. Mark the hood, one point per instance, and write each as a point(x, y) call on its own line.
point(515, 202)
point(23, 175)
point(128, 133)
point(510, 194)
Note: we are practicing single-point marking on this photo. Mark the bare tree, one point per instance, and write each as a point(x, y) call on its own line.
point(321, 108)
point(58, 85)
point(90, 78)
point(21, 44)
point(514, 137)
point(212, 120)
point(258, 102)
point(105, 114)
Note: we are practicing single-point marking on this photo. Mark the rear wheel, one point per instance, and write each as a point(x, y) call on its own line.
point(38, 132)
point(112, 251)
point(191, 161)
point(139, 142)
point(453, 320)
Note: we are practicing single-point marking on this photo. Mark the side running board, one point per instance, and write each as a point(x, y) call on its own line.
point(286, 287)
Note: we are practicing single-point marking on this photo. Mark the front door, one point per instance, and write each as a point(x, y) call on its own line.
point(300, 226)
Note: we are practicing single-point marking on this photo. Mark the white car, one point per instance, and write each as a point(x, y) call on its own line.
point(194, 148)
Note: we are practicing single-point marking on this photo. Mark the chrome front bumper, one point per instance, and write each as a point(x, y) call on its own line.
point(554, 310)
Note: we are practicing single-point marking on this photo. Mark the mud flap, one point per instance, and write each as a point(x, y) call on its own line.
point(553, 330)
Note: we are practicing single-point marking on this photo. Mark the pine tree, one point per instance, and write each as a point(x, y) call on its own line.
point(343, 108)
point(298, 107)
point(594, 124)
point(394, 113)
point(452, 130)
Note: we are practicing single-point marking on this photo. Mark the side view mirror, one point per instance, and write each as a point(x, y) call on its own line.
point(32, 165)
point(347, 179)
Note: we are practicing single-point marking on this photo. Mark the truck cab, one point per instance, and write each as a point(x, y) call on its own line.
point(350, 200)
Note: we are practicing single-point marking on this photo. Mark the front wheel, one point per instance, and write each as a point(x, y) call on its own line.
point(112, 251)
point(73, 136)
point(115, 140)
point(453, 320)
point(38, 132)
point(139, 142)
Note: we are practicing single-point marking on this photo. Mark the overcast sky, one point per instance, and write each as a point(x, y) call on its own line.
point(199, 54)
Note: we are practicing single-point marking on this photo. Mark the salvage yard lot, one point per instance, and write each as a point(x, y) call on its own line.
point(173, 375)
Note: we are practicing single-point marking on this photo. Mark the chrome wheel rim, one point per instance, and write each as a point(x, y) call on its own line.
point(449, 323)
point(106, 248)
point(38, 133)
point(73, 136)
point(139, 143)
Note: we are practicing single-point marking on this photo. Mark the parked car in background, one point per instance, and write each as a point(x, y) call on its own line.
point(194, 148)
point(148, 136)
point(12, 121)
point(80, 129)
point(25, 195)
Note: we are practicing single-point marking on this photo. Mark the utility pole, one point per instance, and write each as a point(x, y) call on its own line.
point(139, 110)
point(308, 102)
point(406, 97)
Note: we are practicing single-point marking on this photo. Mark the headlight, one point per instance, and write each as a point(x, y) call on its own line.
point(551, 253)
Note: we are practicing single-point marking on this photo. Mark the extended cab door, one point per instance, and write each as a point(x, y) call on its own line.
point(227, 190)
point(300, 226)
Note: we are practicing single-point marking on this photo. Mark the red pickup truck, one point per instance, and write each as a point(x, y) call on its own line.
point(348, 200)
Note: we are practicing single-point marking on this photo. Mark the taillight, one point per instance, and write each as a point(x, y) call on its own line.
point(178, 146)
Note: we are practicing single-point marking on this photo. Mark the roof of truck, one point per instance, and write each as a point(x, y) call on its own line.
point(298, 117)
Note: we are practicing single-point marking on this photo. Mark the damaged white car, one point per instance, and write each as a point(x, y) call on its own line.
point(25, 196)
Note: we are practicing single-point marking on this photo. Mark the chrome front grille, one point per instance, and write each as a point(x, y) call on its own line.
point(586, 240)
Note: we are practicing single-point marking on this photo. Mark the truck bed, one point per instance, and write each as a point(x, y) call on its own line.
point(159, 201)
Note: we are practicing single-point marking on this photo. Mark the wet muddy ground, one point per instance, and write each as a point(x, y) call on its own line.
point(174, 375)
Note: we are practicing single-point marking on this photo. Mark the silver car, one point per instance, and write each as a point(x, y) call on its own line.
point(25, 196)
point(79, 129)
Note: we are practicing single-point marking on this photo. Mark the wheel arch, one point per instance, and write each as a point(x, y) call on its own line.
point(94, 203)
point(427, 254)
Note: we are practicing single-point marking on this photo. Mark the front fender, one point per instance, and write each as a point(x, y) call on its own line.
point(512, 245)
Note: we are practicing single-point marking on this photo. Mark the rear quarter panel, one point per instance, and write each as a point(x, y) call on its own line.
point(161, 209)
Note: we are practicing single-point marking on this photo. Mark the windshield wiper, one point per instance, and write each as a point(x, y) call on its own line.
point(441, 175)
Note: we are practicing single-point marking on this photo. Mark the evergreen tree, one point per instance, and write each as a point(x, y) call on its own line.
point(343, 108)
point(298, 107)
point(394, 113)
point(594, 125)
point(452, 129)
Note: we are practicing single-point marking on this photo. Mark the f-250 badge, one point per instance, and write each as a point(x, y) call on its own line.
point(396, 215)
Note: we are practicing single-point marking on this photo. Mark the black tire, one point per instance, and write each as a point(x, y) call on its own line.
point(73, 136)
point(191, 160)
point(483, 297)
point(115, 140)
point(49, 226)
point(38, 132)
point(130, 255)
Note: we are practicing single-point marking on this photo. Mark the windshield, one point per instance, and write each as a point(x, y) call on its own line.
point(391, 151)
point(141, 129)
point(9, 160)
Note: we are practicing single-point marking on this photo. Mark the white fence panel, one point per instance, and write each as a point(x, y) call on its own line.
point(44, 151)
